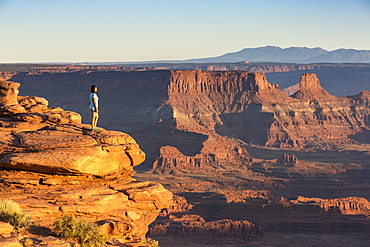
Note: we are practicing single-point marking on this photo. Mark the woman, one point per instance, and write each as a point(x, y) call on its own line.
point(94, 106)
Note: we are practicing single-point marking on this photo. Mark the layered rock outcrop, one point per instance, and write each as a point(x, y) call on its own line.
point(182, 220)
point(53, 166)
point(196, 225)
point(217, 152)
point(347, 205)
point(124, 208)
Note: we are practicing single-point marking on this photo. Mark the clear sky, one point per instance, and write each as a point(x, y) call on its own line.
point(144, 30)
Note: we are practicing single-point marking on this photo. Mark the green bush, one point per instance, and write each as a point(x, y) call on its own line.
point(85, 233)
point(11, 213)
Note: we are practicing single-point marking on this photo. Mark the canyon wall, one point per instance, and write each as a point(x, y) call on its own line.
point(207, 115)
point(338, 79)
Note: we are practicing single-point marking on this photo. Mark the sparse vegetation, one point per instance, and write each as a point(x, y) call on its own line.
point(28, 242)
point(85, 233)
point(11, 213)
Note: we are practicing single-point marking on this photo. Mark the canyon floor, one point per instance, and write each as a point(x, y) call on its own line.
point(337, 172)
point(272, 239)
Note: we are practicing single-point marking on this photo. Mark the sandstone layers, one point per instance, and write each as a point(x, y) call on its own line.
point(53, 166)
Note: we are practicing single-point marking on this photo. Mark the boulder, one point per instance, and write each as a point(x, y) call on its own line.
point(6, 229)
point(71, 149)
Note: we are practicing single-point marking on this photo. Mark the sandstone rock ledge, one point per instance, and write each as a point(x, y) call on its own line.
point(123, 208)
point(53, 166)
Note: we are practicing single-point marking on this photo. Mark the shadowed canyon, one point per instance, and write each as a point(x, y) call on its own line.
point(247, 164)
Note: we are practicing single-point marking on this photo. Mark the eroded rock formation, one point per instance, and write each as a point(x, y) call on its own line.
point(315, 118)
point(253, 110)
point(288, 159)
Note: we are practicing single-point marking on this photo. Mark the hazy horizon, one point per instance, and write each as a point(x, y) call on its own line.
point(76, 31)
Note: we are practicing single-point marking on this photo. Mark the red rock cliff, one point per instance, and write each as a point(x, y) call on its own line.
point(206, 81)
point(195, 106)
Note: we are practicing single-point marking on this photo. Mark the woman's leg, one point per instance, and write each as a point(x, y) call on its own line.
point(93, 119)
point(96, 117)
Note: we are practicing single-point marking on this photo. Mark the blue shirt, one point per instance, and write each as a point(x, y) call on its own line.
point(92, 97)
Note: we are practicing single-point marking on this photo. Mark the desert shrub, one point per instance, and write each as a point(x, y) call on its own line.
point(11, 213)
point(151, 242)
point(85, 233)
point(27, 242)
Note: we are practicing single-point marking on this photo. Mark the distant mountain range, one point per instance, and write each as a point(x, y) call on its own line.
point(273, 54)
point(290, 55)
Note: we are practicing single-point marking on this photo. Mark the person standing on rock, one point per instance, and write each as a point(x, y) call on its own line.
point(94, 106)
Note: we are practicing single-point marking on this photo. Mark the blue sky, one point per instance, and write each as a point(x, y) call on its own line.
point(143, 30)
